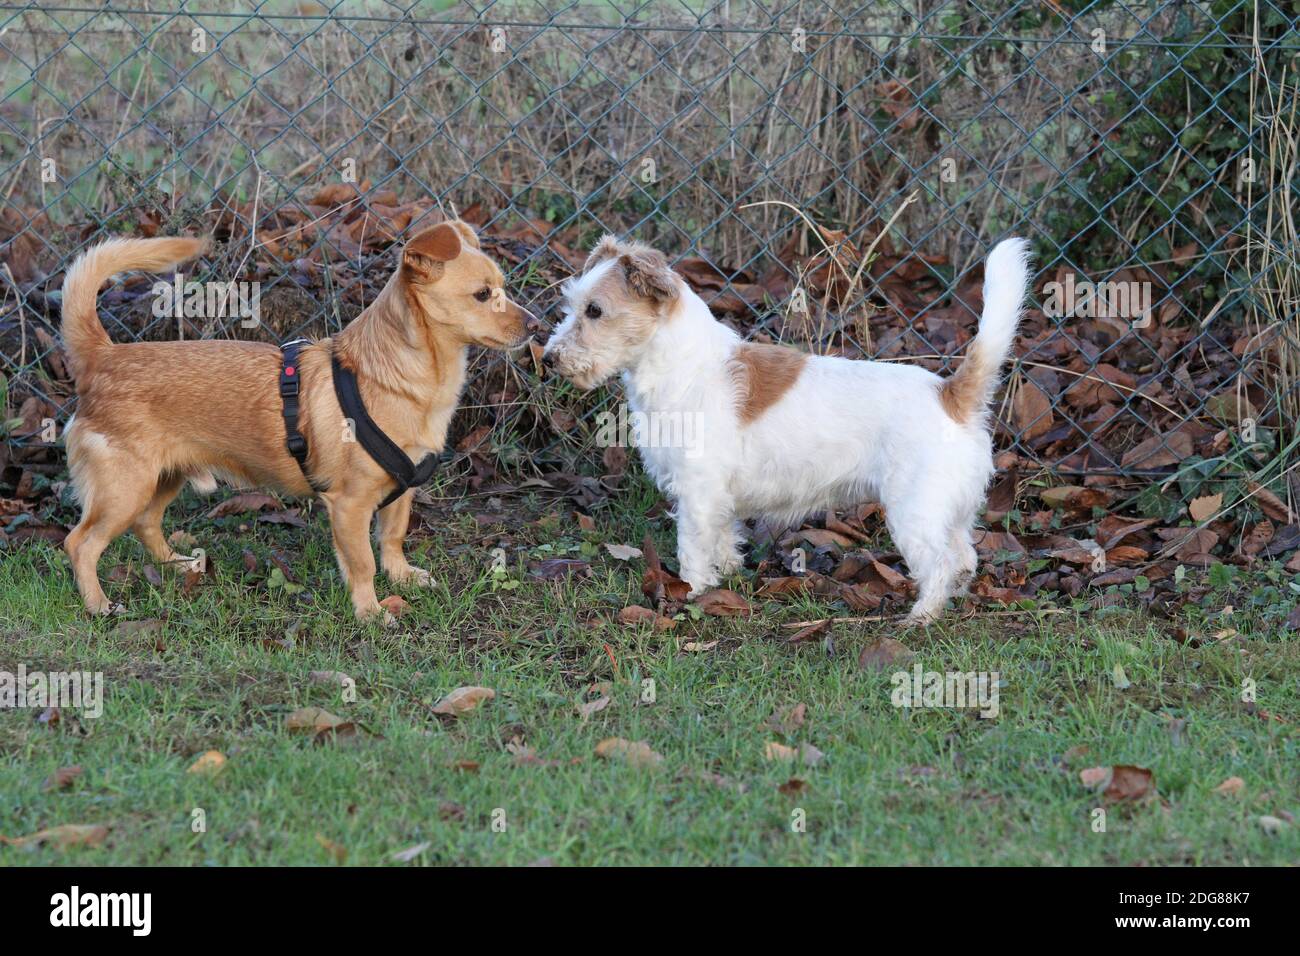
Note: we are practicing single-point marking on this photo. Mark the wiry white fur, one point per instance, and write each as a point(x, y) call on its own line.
point(845, 432)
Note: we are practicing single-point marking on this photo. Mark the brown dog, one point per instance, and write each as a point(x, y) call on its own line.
point(154, 415)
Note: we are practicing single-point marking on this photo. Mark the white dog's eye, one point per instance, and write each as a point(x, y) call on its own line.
point(593, 310)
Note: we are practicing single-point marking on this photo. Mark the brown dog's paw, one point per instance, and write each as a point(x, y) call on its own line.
point(377, 613)
point(109, 609)
point(412, 577)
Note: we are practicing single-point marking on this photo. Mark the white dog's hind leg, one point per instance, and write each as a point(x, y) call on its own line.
point(922, 527)
point(704, 524)
point(967, 558)
point(728, 557)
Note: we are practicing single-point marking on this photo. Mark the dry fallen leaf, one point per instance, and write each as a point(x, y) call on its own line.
point(336, 850)
point(313, 720)
point(1261, 533)
point(1130, 783)
point(789, 721)
point(692, 647)
point(1074, 498)
point(883, 652)
point(410, 853)
point(462, 700)
point(634, 752)
point(334, 678)
point(1270, 504)
point(1205, 507)
point(69, 834)
point(239, 504)
point(636, 614)
point(809, 754)
point(1094, 777)
point(394, 604)
point(62, 778)
point(809, 632)
point(1121, 782)
point(623, 552)
point(723, 603)
point(1074, 755)
point(209, 763)
point(182, 540)
point(1233, 785)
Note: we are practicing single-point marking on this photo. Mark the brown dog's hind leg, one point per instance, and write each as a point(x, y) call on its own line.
point(390, 530)
point(148, 524)
point(350, 527)
point(120, 492)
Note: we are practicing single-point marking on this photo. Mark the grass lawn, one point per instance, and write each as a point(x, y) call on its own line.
point(517, 779)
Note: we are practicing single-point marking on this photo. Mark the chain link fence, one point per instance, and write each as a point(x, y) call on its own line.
point(826, 174)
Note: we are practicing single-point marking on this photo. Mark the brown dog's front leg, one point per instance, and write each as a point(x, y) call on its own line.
point(350, 526)
point(390, 529)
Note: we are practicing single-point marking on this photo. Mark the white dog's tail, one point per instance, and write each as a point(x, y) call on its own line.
point(83, 333)
point(966, 395)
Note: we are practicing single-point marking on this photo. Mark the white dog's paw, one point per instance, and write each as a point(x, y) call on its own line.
point(699, 584)
point(730, 564)
point(923, 616)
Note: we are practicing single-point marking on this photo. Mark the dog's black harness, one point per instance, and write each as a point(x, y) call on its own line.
point(295, 441)
point(386, 452)
point(379, 446)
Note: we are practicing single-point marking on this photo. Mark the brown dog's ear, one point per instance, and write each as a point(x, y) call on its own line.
point(648, 274)
point(424, 255)
point(467, 233)
point(607, 248)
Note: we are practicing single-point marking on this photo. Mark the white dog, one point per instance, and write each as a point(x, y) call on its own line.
point(786, 434)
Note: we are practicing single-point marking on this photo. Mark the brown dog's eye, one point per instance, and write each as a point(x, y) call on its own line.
point(593, 310)
point(483, 294)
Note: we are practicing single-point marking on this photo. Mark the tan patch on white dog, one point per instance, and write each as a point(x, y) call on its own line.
point(954, 402)
point(966, 393)
point(625, 294)
point(763, 374)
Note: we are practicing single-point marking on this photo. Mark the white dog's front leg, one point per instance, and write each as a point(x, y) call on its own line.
point(704, 525)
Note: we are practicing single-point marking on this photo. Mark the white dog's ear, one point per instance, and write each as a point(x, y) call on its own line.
point(648, 274)
point(607, 248)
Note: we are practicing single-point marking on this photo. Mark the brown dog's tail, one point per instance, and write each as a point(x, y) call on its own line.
point(83, 333)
